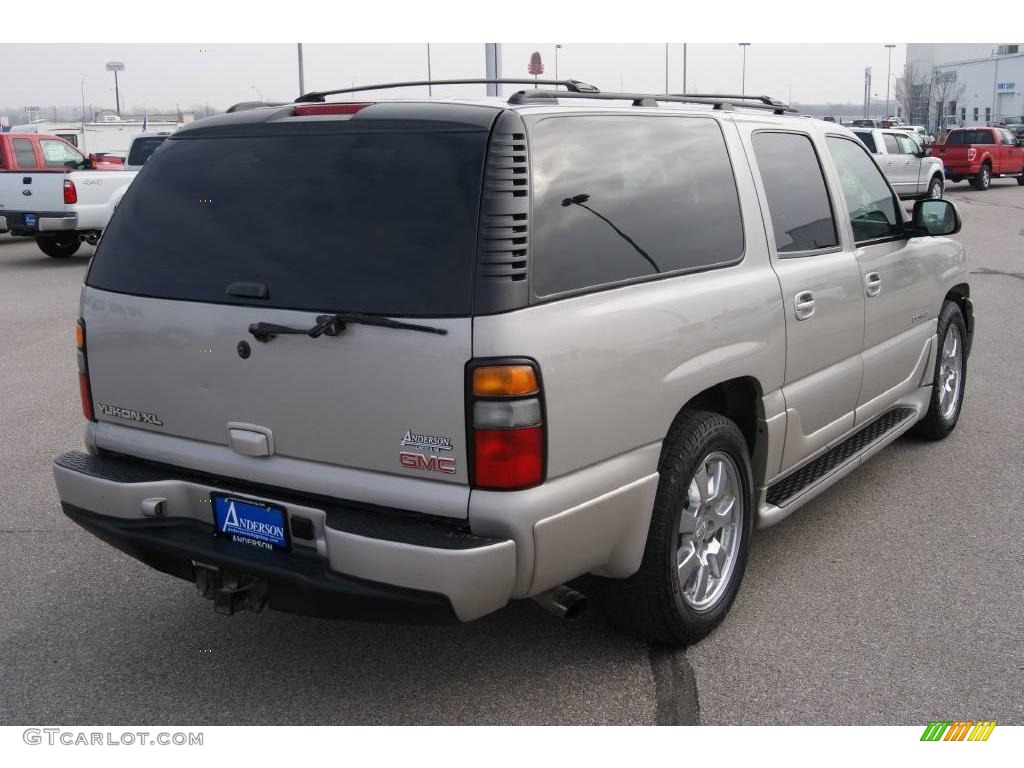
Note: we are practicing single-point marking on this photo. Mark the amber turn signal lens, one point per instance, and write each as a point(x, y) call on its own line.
point(504, 380)
point(79, 335)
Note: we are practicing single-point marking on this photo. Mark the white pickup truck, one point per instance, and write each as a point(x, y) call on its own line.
point(63, 209)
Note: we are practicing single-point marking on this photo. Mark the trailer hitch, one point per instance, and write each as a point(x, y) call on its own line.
point(230, 591)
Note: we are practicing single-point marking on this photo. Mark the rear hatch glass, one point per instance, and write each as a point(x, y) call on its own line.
point(373, 221)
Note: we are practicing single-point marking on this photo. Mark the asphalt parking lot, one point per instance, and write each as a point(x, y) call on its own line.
point(896, 597)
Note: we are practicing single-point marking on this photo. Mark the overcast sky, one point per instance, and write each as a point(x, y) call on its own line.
point(163, 75)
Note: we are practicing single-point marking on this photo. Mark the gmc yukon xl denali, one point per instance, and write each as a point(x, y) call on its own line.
point(486, 347)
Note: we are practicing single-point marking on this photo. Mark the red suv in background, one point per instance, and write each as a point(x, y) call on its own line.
point(981, 154)
point(44, 152)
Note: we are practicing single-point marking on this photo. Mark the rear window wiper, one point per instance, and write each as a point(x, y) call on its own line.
point(332, 325)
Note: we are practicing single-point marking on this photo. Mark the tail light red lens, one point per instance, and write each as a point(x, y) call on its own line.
point(339, 108)
point(506, 416)
point(70, 193)
point(508, 458)
point(84, 387)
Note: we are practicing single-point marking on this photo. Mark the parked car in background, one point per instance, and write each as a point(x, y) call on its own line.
point(479, 349)
point(920, 133)
point(905, 161)
point(60, 209)
point(980, 155)
point(142, 148)
point(41, 152)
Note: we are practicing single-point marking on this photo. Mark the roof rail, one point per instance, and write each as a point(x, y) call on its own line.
point(718, 101)
point(571, 86)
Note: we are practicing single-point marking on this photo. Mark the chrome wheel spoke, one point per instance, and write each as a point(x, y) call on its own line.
point(716, 556)
point(703, 482)
point(700, 583)
point(686, 563)
point(687, 523)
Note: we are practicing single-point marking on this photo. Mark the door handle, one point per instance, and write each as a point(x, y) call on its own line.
point(804, 305)
point(873, 283)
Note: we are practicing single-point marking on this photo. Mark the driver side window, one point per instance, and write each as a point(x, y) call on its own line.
point(57, 154)
point(870, 201)
point(907, 145)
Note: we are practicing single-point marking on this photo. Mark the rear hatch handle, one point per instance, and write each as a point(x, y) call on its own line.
point(332, 325)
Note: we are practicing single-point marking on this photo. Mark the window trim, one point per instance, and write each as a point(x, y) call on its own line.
point(772, 247)
point(895, 199)
point(545, 298)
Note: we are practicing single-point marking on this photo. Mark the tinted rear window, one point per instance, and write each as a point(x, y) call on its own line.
point(797, 197)
point(142, 149)
point(371, 220)
point(868, 140)
point(619, 198)
point(969, 137)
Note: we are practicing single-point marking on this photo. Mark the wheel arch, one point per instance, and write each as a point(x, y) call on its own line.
point(740, 400)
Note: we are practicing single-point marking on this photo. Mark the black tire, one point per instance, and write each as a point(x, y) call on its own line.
point(983, 179)
point(650, 603)
point(956, 179)
point(59, 246)
point(936, 425)
point(936, 182)
point(1020, 179)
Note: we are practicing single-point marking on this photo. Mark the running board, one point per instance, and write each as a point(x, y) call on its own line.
point(782, 491)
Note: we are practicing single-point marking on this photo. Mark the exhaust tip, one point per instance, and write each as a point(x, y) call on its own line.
point(564, 602)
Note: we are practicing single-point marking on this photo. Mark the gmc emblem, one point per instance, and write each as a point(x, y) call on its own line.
point(429, 463)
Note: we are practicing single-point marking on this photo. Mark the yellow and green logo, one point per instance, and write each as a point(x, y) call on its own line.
point(958, 730)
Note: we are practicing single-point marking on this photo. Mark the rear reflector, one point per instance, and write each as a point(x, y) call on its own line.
point(508, 458)
point(344, 108)
point(85, 392)
point(504, 380)
point(70, 193)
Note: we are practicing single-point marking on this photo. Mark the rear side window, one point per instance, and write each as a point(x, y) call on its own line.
point(142, 149)
point(377, 220)
point(795, 187)
point(868, 139)
point(890, 144)
point(24, 155)
point(617, 198)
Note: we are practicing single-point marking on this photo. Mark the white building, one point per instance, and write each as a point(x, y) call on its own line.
point(967, 84)
point(102, 136)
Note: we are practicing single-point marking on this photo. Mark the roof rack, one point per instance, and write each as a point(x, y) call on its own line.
point(717, 101)
point(571, 86)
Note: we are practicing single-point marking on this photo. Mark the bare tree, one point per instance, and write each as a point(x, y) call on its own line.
point(913, 94)
point(947, 95)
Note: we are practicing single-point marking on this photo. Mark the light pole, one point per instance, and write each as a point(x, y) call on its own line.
point(430, 88)
point(302, 73)
point(743, 86)
point(115, 67)
point(888, 79)
point(83, 103)
point(258, 91)
point(558, 47)
point(684, 67)
point(666, 67)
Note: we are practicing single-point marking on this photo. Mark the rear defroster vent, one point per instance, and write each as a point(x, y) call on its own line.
point(503, 246)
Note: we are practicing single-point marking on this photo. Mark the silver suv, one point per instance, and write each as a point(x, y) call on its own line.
point(413, 359)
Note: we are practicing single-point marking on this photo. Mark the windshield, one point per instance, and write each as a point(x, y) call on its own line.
point(375, 221)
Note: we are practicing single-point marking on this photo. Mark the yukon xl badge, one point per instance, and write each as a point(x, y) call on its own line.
point(129, 415)
point(428, 457)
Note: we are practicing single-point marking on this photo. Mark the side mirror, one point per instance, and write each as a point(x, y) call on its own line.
point(935, 218)
point(923, 152)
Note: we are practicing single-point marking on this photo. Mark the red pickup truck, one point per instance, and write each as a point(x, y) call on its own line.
point(981, 154)
point(43, 152)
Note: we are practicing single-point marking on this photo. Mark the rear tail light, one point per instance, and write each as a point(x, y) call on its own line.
point(971, 153)
point(70, 193)
point(84, 388)
point(507, 436)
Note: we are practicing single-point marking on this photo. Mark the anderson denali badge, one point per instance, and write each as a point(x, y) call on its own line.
point(428, 457)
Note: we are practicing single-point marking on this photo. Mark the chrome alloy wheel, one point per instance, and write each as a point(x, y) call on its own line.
point(710, 526)
point(951, 372)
